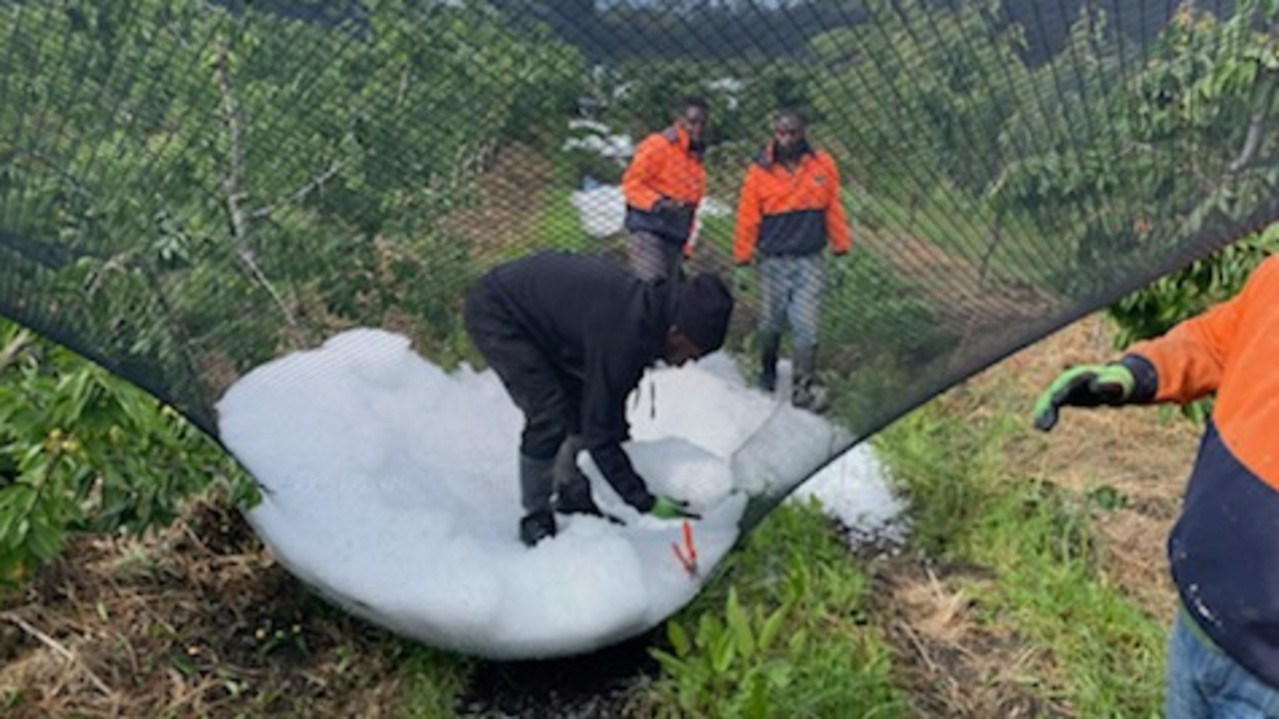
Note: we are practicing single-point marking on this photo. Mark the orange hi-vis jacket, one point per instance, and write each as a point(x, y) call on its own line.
point(784, 213)
point(1224, 549)
point(664, 166)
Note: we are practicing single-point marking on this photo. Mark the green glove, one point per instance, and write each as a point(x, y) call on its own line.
point(1086, 385)
point(668, 508)
point(742, 277)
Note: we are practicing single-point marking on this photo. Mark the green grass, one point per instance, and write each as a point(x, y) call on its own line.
point(824, 654)
point(433, 682)
point(935, 219)
point(559, 225)
point(827, 659)
point(824, 658)
point(970, 505)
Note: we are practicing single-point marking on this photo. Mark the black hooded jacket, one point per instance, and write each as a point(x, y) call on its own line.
point(600, 327)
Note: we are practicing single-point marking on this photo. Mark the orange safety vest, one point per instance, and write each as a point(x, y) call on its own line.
point(663, 166)
point(1224, 549)
point(783, 212)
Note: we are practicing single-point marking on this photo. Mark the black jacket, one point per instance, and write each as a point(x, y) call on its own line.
point(601, 327)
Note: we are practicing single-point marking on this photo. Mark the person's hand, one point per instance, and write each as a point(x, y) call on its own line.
point(838, 269)
point(669, 508)
point(1083, 386)
point(742, 276)
point(666, 204)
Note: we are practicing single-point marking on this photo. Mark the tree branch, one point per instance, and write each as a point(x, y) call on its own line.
point(232, 180)
point(53, 644)
point(1256, 126)
point(1252, 141)
point(233, 184)
point(301, 193)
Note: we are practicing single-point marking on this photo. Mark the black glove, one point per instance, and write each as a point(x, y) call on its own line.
point(838, 269)
point(1084, 386)
point(667, 205)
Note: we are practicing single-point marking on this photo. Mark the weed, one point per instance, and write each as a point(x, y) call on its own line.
point(969, 505)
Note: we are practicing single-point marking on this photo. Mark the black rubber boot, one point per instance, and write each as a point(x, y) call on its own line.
point(537, 526)
point(537, 484)
point(575, 498)
point(566, 470)
point(807, 392)
point(572, 488)
point(769, 343)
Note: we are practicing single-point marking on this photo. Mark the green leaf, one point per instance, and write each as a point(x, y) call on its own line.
point(724, 652)
point(771, 626)
point(797, 641)
point(44, 541)
point(678, 638)
point(739, 625)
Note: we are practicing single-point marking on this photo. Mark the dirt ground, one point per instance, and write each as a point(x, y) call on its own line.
point(197, 620)
point(512, 193)
point(955, 666)
point(200, 621)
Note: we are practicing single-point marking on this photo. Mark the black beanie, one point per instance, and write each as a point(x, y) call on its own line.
point(704, 310)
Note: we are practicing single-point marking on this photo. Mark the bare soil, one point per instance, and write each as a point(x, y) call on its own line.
point(197, 620)
point(200, 621)
point(955, 666)
point(948, 663)
point(512, 194)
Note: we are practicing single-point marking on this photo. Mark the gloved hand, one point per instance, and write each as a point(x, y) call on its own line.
point(837, 270)
point(1083, 386)
point(668, 508)
point(666, 204)
point(742, 277)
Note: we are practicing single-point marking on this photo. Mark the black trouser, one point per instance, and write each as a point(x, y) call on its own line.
point(548, 397)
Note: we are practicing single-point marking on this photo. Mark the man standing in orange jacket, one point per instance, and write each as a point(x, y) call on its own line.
point(790, 210)
point(1223, 658)
point(663, 186)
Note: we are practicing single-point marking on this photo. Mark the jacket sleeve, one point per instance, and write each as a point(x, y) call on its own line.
point(616, 467)
point(612, 370)
point(637, 182)
point(749, 215)
point(1189, 360)
point(836, 222)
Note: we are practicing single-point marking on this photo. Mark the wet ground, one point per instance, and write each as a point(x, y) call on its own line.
point(592, 686)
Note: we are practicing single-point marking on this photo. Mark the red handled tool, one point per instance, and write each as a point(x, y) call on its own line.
point(688, 555)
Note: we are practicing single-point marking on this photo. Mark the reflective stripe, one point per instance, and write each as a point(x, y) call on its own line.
point(1195, 630)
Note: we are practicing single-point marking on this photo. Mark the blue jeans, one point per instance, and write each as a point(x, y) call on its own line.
point(791, 293)
point(1204, 683)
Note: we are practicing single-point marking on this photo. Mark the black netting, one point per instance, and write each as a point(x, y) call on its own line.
point(189, 189)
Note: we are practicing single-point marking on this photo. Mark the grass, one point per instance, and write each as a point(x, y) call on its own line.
point(825, 659)
point(831, 652)
point(972, 505)
point(559, 225)
point(932, 219)
point(433, 681)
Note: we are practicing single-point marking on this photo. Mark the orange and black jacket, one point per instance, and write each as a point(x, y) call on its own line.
point(665, 166)
point(1224, 549)
point(785, 213)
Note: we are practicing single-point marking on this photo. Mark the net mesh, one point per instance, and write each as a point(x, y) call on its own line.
point(190, 189)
